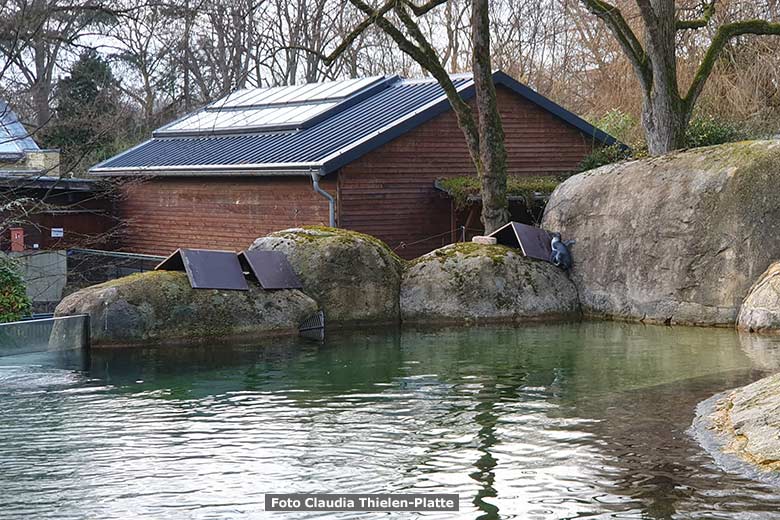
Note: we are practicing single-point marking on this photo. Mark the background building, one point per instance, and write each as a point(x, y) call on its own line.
point(362, 154)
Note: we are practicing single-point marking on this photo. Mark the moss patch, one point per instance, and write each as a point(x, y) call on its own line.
point(497, 253)
point(461, 188)
point(314, 233)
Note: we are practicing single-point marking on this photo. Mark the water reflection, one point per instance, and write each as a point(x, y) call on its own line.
point(763, 351)
point(549, 421)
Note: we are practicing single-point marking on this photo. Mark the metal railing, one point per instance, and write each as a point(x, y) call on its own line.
point(45, 335)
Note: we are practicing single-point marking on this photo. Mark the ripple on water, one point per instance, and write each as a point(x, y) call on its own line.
point(541, 422)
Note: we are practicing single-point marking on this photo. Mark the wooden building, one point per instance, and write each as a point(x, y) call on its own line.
point(40, 209)
point(361, 154)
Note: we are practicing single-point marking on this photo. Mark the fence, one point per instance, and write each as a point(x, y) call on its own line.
point(91, 266)
point(56, 335)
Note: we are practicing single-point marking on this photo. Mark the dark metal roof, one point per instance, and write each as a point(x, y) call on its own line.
point(325, 146)
point(32, 179)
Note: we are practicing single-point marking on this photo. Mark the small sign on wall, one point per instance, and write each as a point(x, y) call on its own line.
point(57, 232)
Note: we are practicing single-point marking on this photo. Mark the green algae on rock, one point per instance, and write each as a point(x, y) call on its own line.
point(484, 283)
point(354, 277)
point(160, 306)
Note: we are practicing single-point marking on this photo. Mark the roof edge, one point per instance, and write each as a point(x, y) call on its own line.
point(502, 78)
point(216, 170)
point(354, 151)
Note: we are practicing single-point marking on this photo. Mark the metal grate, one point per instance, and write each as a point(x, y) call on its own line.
point(313, 327)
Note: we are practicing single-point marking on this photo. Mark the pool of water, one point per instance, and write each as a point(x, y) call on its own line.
point(551, 421)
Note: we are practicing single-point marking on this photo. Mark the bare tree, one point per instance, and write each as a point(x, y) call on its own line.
point(144, 47)
point(667, 108)
point(35, 33)
point(484, 134)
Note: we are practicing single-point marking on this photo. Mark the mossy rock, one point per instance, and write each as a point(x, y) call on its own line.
point(481, 283)
point(160, 306)
point(355, 278)
point(676, 239)
point(760, 312)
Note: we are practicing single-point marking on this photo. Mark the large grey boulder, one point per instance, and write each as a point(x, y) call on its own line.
point(474, 282)
point(747, 421)
point(354, 277)
point(675, 239)
point(760, 311)
point(160, 306)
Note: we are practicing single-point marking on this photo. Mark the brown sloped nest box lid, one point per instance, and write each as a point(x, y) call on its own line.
point(271, 269)
point(207, 269)
point(534, 242)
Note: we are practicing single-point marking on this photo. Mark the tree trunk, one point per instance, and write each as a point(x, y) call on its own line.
point(664, 115)
point(42, 87)
point(492, 152)
point(665, 123)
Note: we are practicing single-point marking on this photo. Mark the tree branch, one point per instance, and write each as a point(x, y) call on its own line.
point(420, 10)
point(431, 62)
point(724, 34)
point(708, 10)
point(353, 35)
point(614, 19)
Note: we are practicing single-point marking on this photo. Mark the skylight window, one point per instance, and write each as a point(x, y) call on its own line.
point(274, 109)
point(14, 139)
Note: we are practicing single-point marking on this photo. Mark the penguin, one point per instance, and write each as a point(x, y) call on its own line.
point(560, 256)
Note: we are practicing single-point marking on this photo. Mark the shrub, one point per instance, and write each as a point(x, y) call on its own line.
point(14, 302)
point(619, 125)
point(461, 188)
point(708, 131)
point(604, 155)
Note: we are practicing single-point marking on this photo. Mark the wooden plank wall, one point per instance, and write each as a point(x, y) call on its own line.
point(87, 219)
point(389, 193)
point(162, 214)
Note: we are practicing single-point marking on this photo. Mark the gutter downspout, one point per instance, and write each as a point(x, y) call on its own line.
point(315, 182)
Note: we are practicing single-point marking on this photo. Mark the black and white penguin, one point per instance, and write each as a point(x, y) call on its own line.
point(560, 255)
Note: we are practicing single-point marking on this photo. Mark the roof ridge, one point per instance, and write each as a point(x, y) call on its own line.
point(329, 143)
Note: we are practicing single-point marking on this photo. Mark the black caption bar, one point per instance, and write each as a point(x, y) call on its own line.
point(361, 502)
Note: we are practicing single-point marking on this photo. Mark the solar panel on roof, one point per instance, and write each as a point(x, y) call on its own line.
point(207, 269)
point(308, 93)
point(278, 108)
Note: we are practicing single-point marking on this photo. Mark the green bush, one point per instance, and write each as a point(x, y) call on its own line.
point(618, 124)
point(14, 302)
point(708, 131)
point(604, 155)
point(461, 188)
